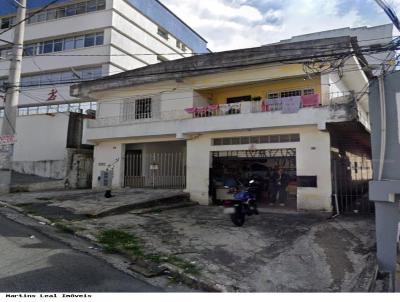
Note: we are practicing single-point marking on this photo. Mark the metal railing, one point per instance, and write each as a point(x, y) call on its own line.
point(211, 110)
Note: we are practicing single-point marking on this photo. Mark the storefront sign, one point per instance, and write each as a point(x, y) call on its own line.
point(7, 140)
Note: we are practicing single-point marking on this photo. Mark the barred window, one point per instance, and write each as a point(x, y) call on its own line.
point(286, 94)
point(143, 109)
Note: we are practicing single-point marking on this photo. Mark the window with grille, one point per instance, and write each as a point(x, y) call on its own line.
point(286, 94)
point(263, 139)
point(289, 93)
point(308, 91)
point(143, 109)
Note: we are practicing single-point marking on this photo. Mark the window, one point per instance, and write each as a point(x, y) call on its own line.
point(308, 91)
point(69, 43)
point(286, 94)
point(91, 6)
point(100, 38)
point(81, 8)
point(274, 95)
point(48, 46)
point(79, 42)
point(238, 99)
point(41, 17)
point(7, 22)
point(51, 14)
point(289, 93)
point(58, 45)
point(101, 4)
point(263, 139)
point(178, 44)
point(23, 111)
point(163, 33)
point(70, 10)
point(183, 47)
point(89, 40)
point(61, 12)
point(143, 108)
point(52, 109)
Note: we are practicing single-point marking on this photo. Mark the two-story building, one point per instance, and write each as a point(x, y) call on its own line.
point(192, 122)
point(78, 40)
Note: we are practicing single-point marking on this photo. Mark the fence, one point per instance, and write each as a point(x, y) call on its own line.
point(155, 170)
point(350, 185)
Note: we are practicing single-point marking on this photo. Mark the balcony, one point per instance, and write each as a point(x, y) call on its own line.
point(223, 117)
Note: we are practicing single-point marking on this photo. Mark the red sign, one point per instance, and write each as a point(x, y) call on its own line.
point(7, 140)
point(52, 95)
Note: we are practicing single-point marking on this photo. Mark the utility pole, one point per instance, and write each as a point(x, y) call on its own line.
point(7, 138)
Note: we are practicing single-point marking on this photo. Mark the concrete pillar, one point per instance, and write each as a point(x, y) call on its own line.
point(387, 218)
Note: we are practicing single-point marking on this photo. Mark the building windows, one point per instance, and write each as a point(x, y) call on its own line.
point(180, 45)
point(67, 11)
point(73, 107)
point(289, 93)
point(58, 45)
point(59, 77)
point(163, 33)
point(308, 91)
point(143, 109)
point(262, 139)
point(286, 94)
point(7, 22)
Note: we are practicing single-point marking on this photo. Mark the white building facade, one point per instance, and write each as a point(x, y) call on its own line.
point(186, 128)
point(77, 40)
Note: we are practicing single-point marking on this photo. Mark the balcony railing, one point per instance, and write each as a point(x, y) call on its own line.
point(284, 105)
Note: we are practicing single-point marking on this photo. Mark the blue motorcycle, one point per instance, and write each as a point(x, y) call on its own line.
point(244, 203)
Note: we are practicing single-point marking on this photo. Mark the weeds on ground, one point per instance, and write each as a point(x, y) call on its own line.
point(115, 241)
point(64, 228)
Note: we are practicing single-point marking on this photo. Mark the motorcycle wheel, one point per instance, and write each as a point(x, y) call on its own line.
point(238, 218)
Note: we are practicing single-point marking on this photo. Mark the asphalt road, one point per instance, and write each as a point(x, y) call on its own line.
point(31, 262)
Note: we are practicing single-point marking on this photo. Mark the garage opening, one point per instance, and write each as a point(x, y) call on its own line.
point(241, 166)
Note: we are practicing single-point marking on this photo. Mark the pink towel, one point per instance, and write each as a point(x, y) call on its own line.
point(311, 100)
point(190, 110)
point(201, 109)
point(213, 107)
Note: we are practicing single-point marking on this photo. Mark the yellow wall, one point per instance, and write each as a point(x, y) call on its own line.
point(219, 95)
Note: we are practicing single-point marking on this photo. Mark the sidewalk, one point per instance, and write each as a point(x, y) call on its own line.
point(80, 204)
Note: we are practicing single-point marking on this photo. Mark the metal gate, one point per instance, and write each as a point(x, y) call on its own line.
point(155, 170)
point(350, 180)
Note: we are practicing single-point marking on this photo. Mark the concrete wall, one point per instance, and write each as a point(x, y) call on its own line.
point(41, 143)
point(312, 158)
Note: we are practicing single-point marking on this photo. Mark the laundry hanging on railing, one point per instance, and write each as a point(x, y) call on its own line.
point(291, 104)
point(311, 100)
point(274, 104)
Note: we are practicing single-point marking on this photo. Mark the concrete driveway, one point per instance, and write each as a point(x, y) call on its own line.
point(271, 253)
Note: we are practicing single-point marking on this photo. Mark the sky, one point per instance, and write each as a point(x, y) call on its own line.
point(233, 24)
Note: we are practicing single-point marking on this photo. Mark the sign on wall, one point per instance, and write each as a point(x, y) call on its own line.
point(7, 140)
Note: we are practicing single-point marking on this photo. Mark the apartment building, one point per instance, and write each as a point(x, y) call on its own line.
point(79, 40)
point(194, 122)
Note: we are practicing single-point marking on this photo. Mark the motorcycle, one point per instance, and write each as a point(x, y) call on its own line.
point(244, 203)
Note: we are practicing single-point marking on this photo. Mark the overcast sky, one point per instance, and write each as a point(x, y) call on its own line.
point(230, 24)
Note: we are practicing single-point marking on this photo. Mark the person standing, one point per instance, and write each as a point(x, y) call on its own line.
point(279, 184)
